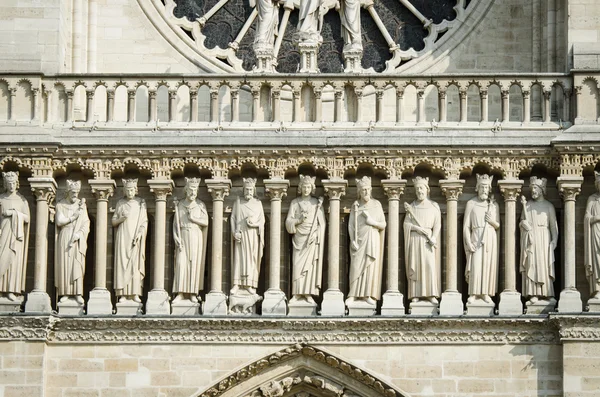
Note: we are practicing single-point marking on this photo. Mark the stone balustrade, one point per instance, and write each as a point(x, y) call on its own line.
point(277, 101)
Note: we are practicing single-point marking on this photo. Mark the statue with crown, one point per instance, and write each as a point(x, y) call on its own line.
point(190, 232)
point(73, 225)
point(248, 231)
point(539, 238)
point(306, 223)
point(422, 225)
point(130, 221)
point(14, 239)
point(591, 232)
point(480, 240)
point(366, 229)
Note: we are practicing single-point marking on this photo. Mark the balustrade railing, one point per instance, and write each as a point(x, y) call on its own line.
point(315, 101)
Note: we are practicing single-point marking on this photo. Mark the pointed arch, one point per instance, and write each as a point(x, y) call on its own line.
point(301, 368)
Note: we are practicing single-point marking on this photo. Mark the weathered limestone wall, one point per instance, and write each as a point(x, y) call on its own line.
point(22, 370)
point(584, 34)
point(581, 369)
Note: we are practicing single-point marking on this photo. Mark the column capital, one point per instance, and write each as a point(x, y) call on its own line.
point(569, 187)
point(218, 188)
point(335, 188)
point(393, 188)
point(103, 189)
point(510, 188)
point(276, 189)
point(452, 188)
point(43, 188)
point(161, 188)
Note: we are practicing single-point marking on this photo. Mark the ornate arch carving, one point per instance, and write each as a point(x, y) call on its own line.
point(301, 369)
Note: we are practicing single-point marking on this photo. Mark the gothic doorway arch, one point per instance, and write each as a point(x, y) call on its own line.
point(301, 371)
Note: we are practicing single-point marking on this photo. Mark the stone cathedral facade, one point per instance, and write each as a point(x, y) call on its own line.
point(300, 198)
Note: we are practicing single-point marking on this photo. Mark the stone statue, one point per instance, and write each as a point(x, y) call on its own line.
point(310, 21)
point(248, 230)
point(14, 237)
point(591, 232)
point(366, 229)
point(131, 222)
point(539, 237)
point(71, 244)
point(351, 29)
point(422, 226)
point(306, 222)
point(190, 231)
point(480, 237)
point(266, 23)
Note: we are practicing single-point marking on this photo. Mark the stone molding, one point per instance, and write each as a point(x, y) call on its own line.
point(55, 329)
point(577, 328)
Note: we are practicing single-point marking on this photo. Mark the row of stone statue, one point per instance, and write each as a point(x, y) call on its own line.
point(306, 223)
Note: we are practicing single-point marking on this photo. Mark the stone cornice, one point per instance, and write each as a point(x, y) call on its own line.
point(577, 328)
point(55, 329)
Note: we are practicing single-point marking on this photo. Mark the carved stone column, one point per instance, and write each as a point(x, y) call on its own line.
point(235, 105)
point(421, 105)
point(484, 105)
point(505, 106)
point(547, 108)
point(255, 104)
point(110, 105)
point(172, 105)
point(100, 301)
point(69, 117)
point(359, 98)
point(131, 106)
point(216, 301)
point(13, 104)
point(463, 105)
point(274, 303)
point(296, 104)
point(442, 105)
point(158, 298)
point(276, 105)
point(333, 298)
point(338, 105)
point(152, 106)
point(393, 299)
point(318, 106)
point(379, 105)
point(38, 300)
point(578, 90)
point(451, 304)
point(214, 105)
point(570, 298)
point(510, 298)
point(89, 106)
point(567, 106)
point(36, 109)
point(526, 107)
point(399, 105)
point(193, 105)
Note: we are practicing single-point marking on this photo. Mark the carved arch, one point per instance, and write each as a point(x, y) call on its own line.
point(301, 369)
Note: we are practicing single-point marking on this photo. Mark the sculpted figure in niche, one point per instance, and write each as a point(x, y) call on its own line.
point(482, 220)
point(367, 231)
point(73, 226)
point(14, 237)
point(190, 231)
point(310, 21)
point(131, 222)
point(591, 229)
point(306, 222)
point(351, 29)
point(422, 226)
point(539, 237)
point(266, 23)
point(247, 228)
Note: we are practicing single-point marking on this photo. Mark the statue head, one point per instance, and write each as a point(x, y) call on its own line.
point(191, 187)
point(483, 186)
point(11, 181)
point(73, 189)
point(421, 187)
point(249, 187)
point(538, 186)
point(307, 186)
point(363, 188)
point(130, 187)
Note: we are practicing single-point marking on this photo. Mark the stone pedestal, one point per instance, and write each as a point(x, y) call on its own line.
point(158, 303)
point(352, 61)
point(542, 306)
point(8, 306)
point(38, 302)
point(264, 60)
point(302, 308)
point(570, 301)
point(274, 303)
point(99, 302)
point(333, 304)
point(185, 308)
point(129, 308)
point(70, 307)
point(243, 302)
point(451, 304)
point(510, 304)
point(361, 308)
point(308, 57)
point(480, 308)
point(393, 304)
point(215, 304)
point(594, 305)
point(423, 308)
